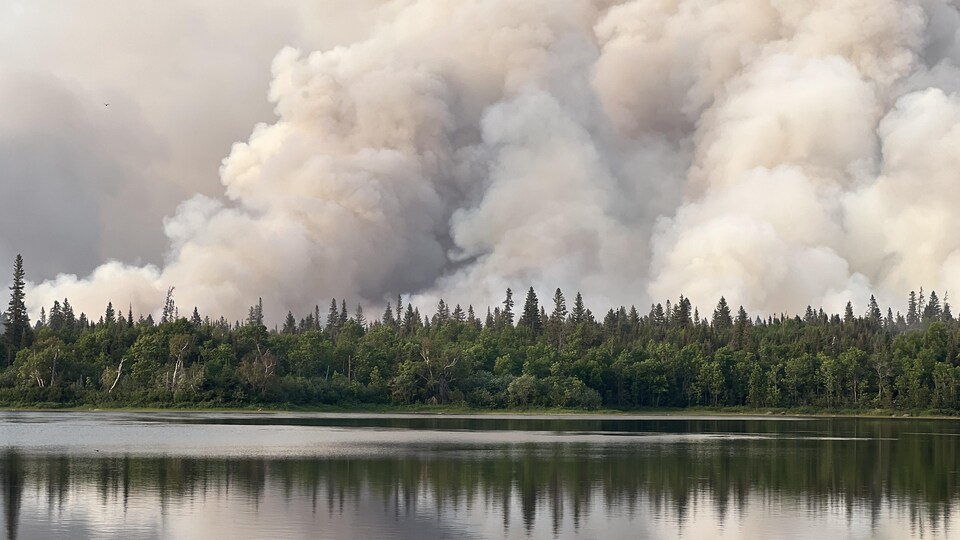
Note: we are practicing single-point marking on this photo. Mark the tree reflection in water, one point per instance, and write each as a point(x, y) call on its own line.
point(917, 476)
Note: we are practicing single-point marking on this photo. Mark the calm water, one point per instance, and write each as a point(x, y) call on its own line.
point(161, 475)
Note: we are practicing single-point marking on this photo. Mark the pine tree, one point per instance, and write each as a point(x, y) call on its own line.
point(507, 313)
point(559, 314)
point(458, 314)
point(361, 320)
point(195, 319)
point(333, 320)
point(110, 315)
point(913, 316)
point(129, 315)
point(722, 318)
point(69, 319)
point(343, 313)
point(289, 324)
point(932, 312)
point(848, 314)
point(558, 319)
point(56, 316)
point(530, 319)
point(874, 315)
point(443, 312)
point(18, 332)
point(169, 308)
point(579, 314)
point(681, 312)
point(388, 316)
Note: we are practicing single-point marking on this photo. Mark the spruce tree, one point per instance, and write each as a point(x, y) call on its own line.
point(932, 312)
point(388, 315)
point(722, 319)
point(531, 314)
point(361, 320)
point(333, 320)
point(579, 314)
point(110, 315)
point(18, 333)
point(559, 314)
point(913, 317)
point(873, 311)
point(289, 324)
point(507, 313)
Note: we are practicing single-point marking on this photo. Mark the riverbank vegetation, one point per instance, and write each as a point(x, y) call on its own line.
point(671, 356)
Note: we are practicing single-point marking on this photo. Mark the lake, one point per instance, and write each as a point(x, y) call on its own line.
point(293, 475)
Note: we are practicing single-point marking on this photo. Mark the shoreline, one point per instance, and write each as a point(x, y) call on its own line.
point(428, 410)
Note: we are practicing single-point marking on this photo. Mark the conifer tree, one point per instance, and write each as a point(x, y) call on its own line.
point(388, 316)
point(507, 313)
point(18, 332)
point(530, 319)
point(333, 320)
point(932, 311)
point(289, 324)
point(110, 315)
point(722, 319)
point(579, 314)
point(361, 320)
point(913, 316)
point(874, 314)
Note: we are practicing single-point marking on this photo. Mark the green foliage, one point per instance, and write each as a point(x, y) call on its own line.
point(671, 357)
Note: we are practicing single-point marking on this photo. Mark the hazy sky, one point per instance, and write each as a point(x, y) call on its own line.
point(80, 182)
point(777, 153)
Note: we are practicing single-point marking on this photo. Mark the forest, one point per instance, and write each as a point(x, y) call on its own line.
point(523, 354)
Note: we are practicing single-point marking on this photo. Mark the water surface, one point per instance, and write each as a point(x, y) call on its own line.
point(232, 475)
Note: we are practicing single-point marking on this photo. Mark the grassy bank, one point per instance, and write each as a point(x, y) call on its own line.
point(459, 409)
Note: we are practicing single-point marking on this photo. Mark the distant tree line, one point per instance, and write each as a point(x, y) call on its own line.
point(551, 356)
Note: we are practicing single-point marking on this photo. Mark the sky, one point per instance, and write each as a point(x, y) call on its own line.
point(780, 154)
point(83, 183)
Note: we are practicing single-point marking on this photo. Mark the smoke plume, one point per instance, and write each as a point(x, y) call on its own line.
point(778, 152)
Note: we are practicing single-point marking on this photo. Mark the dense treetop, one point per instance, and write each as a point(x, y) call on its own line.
point(669, 356)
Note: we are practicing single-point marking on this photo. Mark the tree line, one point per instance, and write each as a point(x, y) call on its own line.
point(670, 356)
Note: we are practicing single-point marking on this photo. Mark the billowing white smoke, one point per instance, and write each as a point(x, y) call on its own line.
point(778, 152)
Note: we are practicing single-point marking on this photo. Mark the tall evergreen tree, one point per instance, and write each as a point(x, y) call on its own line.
point(507, 313)
point(913, 316)
point(289, 324)
point(110, 315)
point(722, 319)
point(56, 316)
point(18, 332)
point(932, 312)
point(388, 316)
point(361, 320)
point(874, 315)
point(579, 313)
point(530, 319)
point(169, 308)
point(848, 316)
point(333, 320)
